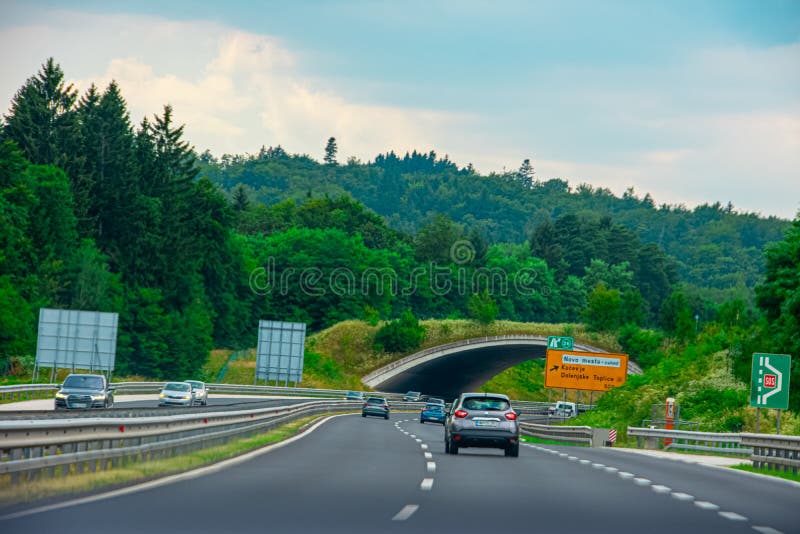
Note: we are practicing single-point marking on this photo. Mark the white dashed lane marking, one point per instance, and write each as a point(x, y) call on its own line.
point(733, 516)
point(641, 481)
point(705, 505)
point(428, 455)
point(682, 496)
point(407, 511)
point(624, 475)
point(431, 467)
point(767, 530)
point(658, 488)
point(427, 484)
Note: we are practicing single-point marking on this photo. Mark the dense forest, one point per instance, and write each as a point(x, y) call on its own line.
point(191, 250)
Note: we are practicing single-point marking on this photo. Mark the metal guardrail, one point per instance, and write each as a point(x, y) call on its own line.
point(584, 435)
point(24, 392)
point(781, 453)
point(718, 442)
point(48, 448)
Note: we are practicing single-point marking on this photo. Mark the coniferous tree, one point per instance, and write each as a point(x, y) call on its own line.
point(526, 174)
point(240, 199)
point(330, 151)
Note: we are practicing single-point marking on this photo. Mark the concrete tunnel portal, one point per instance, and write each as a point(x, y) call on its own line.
point(451, 369)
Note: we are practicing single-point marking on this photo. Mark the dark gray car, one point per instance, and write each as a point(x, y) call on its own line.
point(84, 391)
point(482, 420)
point(376, 406)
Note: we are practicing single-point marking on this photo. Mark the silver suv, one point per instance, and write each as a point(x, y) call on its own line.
point(482, 420)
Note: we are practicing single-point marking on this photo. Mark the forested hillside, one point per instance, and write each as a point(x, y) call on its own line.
point(715, 247)
point(100, 214)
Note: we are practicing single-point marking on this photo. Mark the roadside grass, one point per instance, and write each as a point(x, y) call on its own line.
point(131, 473)
point(770, 472)
point(216, 361)
point(539, 441)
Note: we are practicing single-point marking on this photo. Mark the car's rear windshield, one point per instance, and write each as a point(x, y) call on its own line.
point(177, 386)
point(412, 393)
point(88, 382)
point(194, 384)
point(434, 407)
point(486, 403)
point(436, 401)
point(374, 400)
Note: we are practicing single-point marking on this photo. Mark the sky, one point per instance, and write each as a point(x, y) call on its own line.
point(691, 101)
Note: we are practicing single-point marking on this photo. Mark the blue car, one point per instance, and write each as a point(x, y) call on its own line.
point(432, 412)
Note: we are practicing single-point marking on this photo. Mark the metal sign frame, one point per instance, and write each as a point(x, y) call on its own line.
point(280, 352)
point(76, 339)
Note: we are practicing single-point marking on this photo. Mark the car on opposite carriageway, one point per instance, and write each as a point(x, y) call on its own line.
point(84, 391)
point(199, 392)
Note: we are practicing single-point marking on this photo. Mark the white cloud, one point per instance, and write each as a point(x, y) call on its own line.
point(238, 91)
point(679, 132)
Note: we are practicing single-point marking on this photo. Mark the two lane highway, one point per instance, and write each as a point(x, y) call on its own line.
point(356, 475)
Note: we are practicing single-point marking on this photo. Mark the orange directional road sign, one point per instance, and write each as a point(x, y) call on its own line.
point(588, 371)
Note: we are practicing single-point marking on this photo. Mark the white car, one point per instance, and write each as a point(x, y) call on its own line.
point(199, 392)
point(176, 394)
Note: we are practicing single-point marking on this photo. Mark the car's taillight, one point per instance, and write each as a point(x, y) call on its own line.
point(386, 406)
point(460, 414)
point(511, 416)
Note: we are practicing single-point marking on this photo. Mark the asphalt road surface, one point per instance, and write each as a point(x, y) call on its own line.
point(355, 475)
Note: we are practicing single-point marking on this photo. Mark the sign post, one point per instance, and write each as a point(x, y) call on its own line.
point(769, 383)
point(588, 371)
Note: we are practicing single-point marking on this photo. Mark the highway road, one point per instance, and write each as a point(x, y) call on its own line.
point(354, 475)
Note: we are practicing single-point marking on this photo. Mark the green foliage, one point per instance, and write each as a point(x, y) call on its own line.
point(482, 308)
point(676, 317)
point(400, 335)
point(644, 346)
point(779, 297)
point(604, 309)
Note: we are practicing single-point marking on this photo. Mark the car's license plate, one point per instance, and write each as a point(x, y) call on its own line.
point(482, 422)
point(79, 405)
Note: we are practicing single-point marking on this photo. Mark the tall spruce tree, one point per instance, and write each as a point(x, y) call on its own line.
point(330, 151)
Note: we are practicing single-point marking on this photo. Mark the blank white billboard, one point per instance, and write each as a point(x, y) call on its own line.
point(74, 339)
point(279, 354)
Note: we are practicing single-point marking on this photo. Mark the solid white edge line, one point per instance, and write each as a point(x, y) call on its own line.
point(186, 475)
point(407, 511)
point(427, 484)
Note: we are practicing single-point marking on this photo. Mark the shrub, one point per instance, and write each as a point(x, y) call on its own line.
point(400, 335)
point(643, 345)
